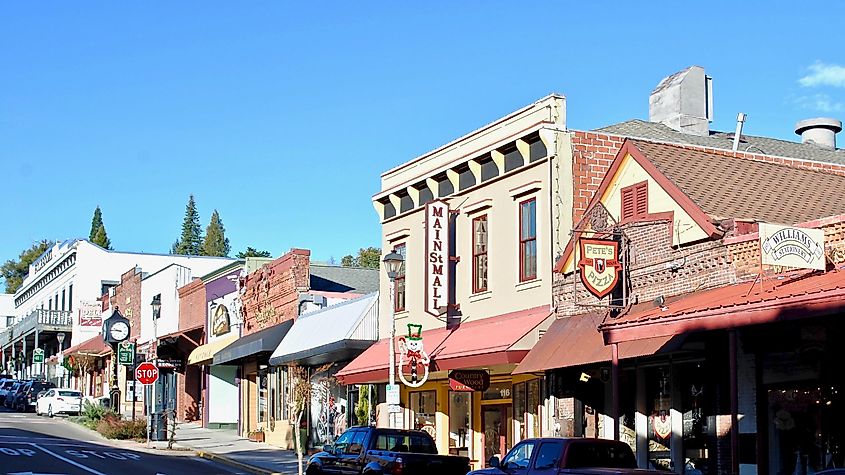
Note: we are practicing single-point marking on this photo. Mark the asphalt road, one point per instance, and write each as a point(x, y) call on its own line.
point(38, 445)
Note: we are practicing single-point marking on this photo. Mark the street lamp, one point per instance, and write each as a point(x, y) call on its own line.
point(392, 263)
point(61, 338)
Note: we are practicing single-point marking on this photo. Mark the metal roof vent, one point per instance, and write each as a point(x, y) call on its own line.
point(820, 131)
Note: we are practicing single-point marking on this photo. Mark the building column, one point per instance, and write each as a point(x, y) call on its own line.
point(641, 421)
point(614, 378)
point(40, 366)
point(24, 362)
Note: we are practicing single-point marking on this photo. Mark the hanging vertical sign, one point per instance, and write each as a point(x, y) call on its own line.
point(436, 257)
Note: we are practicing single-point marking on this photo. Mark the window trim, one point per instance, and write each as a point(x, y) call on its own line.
point(523, 277)
point(476, 289)
point(400, 277)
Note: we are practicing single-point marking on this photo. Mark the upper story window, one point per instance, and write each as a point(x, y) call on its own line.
point(528, 240)
point(444, 186)
point(479, 254)
point(389, 209)
point(536, 148)
point(466, 178)
point(399, 282)
point(405, 202)
point(635, 201)
point(425, 194)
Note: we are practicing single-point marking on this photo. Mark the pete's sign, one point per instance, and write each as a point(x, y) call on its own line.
point(792, 247)
point(599, 265)
point(437, 257)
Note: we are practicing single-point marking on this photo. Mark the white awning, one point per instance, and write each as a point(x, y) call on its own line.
point(203, 354)
point(336, 333)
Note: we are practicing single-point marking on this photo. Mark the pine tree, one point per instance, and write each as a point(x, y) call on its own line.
point(216, 243)
point(98, 233)
point(101, 239)
point(190, 243)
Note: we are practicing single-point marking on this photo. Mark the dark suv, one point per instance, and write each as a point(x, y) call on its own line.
point(27, 397)
point(12, 395)
point(5, 386)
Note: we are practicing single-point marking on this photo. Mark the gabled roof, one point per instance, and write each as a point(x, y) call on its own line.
point(727, 187)
point(343, 279)
point(748, 143)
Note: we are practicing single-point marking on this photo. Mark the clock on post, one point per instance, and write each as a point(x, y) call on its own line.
point(115, 331)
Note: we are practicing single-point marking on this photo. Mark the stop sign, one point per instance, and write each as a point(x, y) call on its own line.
point(146, 373)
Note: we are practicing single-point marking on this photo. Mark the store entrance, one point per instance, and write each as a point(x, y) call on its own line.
point(494, 426)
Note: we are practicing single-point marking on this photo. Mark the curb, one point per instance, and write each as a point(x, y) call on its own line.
point(234, 463)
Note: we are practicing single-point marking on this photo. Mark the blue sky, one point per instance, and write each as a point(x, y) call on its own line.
point(282, 116)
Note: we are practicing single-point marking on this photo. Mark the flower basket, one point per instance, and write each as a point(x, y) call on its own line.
point(256, 436)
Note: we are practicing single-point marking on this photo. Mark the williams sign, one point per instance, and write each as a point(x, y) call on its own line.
point(437, 257)
point(599, 265)
point(792, 247)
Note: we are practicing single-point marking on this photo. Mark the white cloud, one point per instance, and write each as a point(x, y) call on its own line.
point(822, 74)
point(819, 102)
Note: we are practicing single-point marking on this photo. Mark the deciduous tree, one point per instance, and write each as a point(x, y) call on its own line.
point(252, 252)
point(369, 258)
point(14, 271)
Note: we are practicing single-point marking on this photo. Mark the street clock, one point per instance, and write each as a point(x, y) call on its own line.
point(116, 328)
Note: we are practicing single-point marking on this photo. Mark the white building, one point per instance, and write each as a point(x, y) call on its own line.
point(69, 276)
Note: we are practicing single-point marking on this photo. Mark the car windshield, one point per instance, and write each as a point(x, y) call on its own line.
point(70, 393)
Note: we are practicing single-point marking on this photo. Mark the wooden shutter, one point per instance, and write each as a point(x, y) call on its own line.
point(628, 203)
point(641, 199)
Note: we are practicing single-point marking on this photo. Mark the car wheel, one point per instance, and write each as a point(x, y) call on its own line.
point(37, 412)
point(50, 410)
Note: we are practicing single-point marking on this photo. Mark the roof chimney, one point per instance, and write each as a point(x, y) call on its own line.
point(684, 102)
point(820, 131)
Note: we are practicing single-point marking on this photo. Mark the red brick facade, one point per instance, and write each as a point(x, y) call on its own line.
point(192, 305)
point(127, 297)
point(272, 292)
point(592, 154)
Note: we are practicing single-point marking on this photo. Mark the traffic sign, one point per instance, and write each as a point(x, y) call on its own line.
point(126, 353)
point(38, 355)
point(146, 373)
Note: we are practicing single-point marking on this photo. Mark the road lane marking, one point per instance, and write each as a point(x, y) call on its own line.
point(65, 459)
point(16, 452)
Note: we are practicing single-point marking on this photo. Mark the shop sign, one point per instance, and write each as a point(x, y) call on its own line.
point(599, 265)
point(169, 363)
point(220, 321)
point(436, 257)
point(90, 315)
point(393, 394)
point(469, 380)
point(126, 353)
point(497, 391)
point(38, 355)
point(792, 247)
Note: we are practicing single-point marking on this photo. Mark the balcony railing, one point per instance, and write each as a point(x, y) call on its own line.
point(43, 320)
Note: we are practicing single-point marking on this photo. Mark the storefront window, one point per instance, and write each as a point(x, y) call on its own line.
point(460, 421)
point(423, 409)
point(533, 413)
point(519, 404)
point(262, 395)
point(658, 403)
point(696, 398)
point(526, 410)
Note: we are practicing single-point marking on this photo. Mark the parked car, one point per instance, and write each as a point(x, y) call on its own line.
point(570, 456)
point(26, 399)
point(376, 451)
point(12, 395)
point(59, 401)
point(5, 386)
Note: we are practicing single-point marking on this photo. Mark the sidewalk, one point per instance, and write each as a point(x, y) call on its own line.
point(226, 446)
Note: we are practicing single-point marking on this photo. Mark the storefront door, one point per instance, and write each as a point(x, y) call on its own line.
point(494, 420)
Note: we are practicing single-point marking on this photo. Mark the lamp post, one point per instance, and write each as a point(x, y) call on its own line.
point(392, 263)
point(61, 339)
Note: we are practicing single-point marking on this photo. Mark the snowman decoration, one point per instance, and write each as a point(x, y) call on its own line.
point(412, 357)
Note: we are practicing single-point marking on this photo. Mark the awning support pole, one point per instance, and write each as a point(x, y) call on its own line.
point(614, 382)
point(734, 403)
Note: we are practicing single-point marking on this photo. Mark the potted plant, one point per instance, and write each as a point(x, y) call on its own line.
point(256, 435)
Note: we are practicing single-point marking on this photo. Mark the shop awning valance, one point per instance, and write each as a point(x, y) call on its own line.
point(336, 333)
point(576, 340)
point(778, 298)
point(259, 343)
point(95, 346)
point(500, 340)
point(204, 354)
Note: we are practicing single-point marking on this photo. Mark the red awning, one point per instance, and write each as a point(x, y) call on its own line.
point(485, 342)
point(576, 340)
point(782, 297)
point(95, 346)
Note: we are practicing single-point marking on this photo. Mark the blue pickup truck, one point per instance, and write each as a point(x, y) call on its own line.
point(566, 456)
point(376, 451)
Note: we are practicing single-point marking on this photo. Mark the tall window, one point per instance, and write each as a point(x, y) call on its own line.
point(528, 240)
point(479, 254)
point(64, 299)
point(635, 201)
point(399, 292)
point(70, 298)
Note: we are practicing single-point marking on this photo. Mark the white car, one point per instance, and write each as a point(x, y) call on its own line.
point(58, 401)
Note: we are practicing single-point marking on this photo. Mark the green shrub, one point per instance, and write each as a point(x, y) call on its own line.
point(92, 414)
point(113, 427)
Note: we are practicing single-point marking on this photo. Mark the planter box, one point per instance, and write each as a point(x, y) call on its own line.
point(256, 436)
